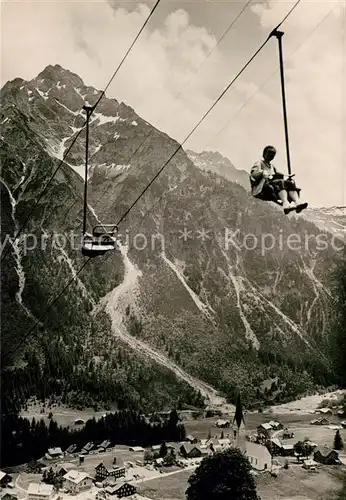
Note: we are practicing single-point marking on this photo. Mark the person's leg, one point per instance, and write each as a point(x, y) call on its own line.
point(280, 188)
point(281, 192)
point(294, 195)
point(284, 198)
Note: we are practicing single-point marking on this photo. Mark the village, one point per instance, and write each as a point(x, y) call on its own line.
point(104, 470)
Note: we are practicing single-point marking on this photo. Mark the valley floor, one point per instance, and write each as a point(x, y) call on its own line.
point(66, 416)
point(294, 483)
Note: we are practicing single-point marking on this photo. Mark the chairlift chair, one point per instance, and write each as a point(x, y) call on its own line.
point(102, 239)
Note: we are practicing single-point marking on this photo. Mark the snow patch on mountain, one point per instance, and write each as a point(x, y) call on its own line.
point(79, 169)
point(57, 150)
point(112, 170)
point(334, 211)
point(79, 92)
point(103, 119)
point(329, 219)
point(42, 94)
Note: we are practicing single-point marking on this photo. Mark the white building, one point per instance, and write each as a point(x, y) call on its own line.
point(55, 452)
point(75, 481)
point(40, 491)
point(258, 456)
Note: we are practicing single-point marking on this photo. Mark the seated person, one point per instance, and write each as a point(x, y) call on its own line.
point(269, 185)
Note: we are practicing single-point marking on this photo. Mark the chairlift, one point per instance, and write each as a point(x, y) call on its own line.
point(273, 196)
point(100, 241)
point(103, 237)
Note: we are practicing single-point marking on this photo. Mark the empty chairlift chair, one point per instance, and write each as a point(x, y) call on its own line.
point(102, 240)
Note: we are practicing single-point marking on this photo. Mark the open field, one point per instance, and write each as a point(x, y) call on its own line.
point(307, 404)
point(294, 411)
point(171, 487)
point(292, 484)
point(299, 484)
point(61, 414)
point(299, 424)
point(319, 434)
point(200, 428)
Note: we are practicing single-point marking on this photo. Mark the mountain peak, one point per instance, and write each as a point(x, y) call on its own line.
point(56, 73)
point(213, 161)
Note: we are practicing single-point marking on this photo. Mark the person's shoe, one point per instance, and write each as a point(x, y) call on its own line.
point(288, 208)
point(301, 206)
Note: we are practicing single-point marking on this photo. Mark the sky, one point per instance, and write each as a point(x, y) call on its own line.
point(177, 70)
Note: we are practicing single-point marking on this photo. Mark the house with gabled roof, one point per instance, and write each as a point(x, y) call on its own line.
point(276, 425)
point(40, 491)
point(320, 421)
point(324, 411)
point(103, 446)
point(76, 481)
point(87, 448)
point(188, 450)
point(258, 456)
point(326, 456)
point(264, 430)
point(103, 472)
point(275, 447)
point(55, 452)
point(122, 490)
point(287, 450)
point(8, 496)
point(61, 470)
point(4, 478)
point(71, 449)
